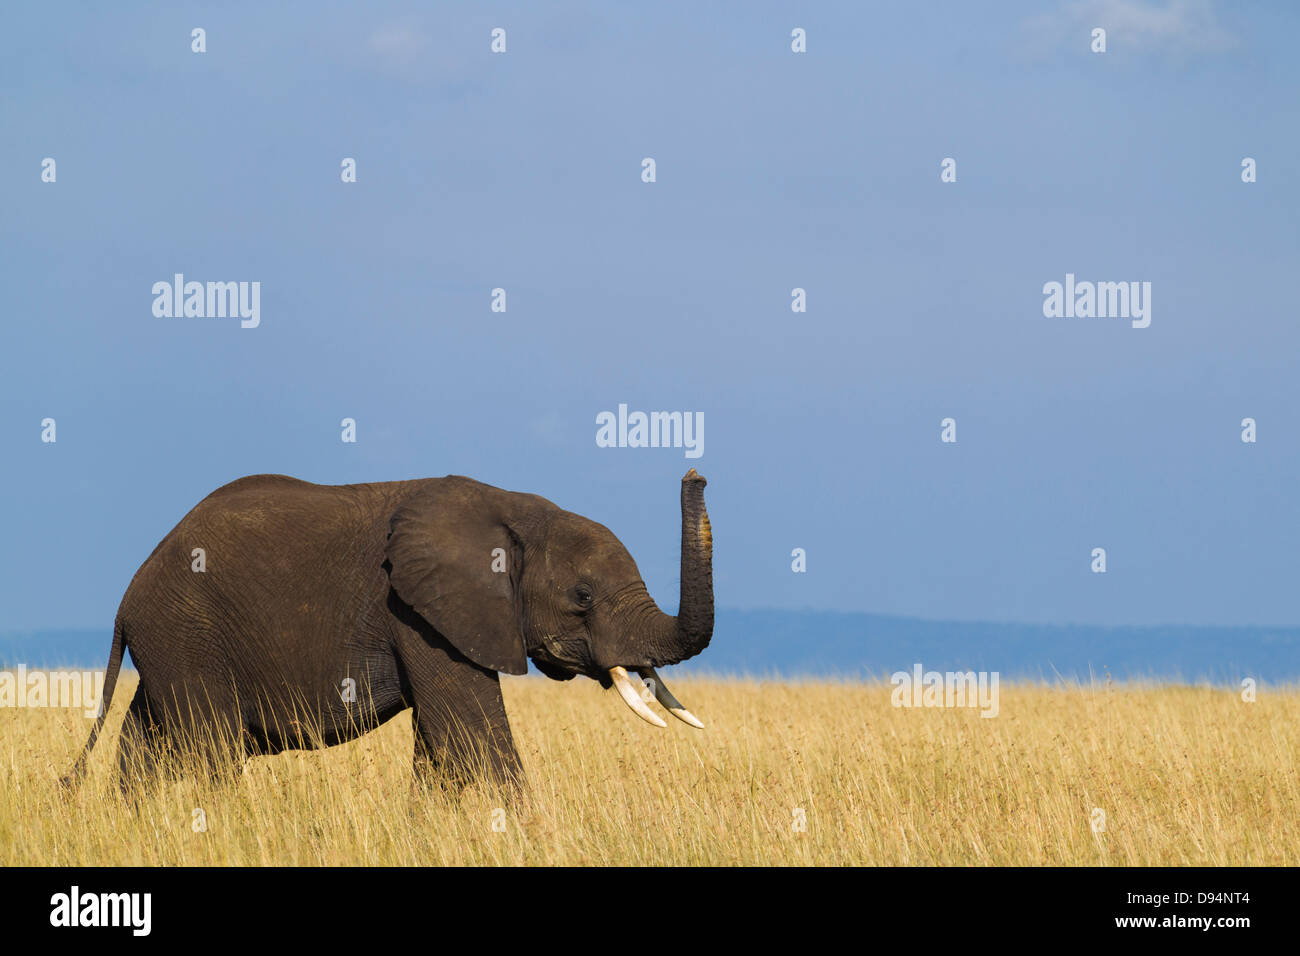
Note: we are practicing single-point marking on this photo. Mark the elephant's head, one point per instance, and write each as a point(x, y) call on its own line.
point(506, 577)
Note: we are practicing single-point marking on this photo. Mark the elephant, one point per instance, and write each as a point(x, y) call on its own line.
point(300, 615)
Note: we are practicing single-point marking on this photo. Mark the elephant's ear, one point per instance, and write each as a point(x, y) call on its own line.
point(455, 557)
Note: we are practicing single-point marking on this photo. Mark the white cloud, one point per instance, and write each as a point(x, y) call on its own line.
point(1176, 26)
point(400, 44)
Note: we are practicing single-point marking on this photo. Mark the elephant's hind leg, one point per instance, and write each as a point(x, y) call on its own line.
point(157, 746)
point(144, 751)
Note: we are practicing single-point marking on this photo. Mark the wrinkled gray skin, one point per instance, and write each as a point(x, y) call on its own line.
point(391, 585)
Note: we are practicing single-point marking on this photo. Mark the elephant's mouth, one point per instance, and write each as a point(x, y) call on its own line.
point(553, 656)
point(560, 658)
point(628, 690)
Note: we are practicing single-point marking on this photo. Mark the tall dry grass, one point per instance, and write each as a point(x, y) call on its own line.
point(1183, 775)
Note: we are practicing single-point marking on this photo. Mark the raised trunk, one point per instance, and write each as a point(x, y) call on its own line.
point(695, 615)
point(668, 639)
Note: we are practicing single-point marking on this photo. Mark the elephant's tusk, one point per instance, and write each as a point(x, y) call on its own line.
point(632, 698)
point(665, 697)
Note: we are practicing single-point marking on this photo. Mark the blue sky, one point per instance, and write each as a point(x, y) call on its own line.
point(775, 170)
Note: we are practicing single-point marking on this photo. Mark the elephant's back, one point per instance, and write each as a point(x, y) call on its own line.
point(262, 564)
point(264, 529)
point(271, 512)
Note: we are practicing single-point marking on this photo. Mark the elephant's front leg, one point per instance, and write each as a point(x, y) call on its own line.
point(462, 733)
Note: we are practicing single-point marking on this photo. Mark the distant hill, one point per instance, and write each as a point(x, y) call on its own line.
point(60, 647)
point(831, 644)
point(826, 643)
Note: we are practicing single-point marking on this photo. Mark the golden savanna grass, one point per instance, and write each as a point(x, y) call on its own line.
point(1184, 775)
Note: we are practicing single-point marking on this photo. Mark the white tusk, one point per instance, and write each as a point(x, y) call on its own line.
point(665, 697)
point(632, 698)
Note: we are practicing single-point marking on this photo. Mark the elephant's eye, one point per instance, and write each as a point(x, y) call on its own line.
point(583, 594)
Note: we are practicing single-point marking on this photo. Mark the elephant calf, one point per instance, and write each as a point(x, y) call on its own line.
point(300, 615)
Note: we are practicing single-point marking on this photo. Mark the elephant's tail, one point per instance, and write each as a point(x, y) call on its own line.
point(105, 701)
